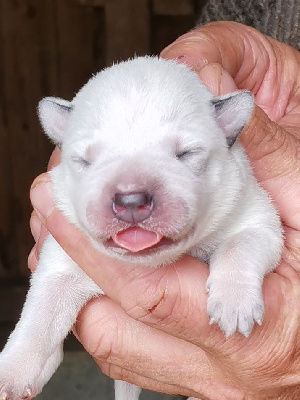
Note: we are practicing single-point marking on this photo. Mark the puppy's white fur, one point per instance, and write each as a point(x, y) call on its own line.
point(147, 125)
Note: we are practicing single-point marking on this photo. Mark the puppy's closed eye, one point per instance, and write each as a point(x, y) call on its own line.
point(186, 152)
point(80, 161)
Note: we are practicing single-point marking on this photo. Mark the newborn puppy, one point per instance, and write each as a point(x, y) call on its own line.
point(150, 169)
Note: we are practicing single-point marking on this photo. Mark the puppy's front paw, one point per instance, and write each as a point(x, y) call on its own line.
point(9, 393)
point(22, 376)
point(12, 384)
point(235, 304)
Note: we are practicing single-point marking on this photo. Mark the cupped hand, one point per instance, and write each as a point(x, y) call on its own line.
point(151, 328)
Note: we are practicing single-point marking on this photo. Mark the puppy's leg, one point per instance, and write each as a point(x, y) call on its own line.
point(59, 289)
point(52, 364)
point(126, 391)
point(234, 285)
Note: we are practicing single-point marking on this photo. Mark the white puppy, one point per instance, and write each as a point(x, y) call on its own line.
point(150, 169)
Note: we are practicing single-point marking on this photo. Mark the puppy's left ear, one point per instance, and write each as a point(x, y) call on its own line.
point(54, 114)
point(232, 112)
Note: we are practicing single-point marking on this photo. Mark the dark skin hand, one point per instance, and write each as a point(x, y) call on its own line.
point(151, 328)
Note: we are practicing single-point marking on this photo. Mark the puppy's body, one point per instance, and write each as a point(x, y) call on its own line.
point(150, 169)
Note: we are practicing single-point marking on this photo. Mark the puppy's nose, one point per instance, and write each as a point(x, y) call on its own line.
point(132, 207)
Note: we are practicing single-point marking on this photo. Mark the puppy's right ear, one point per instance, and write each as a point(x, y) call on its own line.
point(54, 114)
point(233, 111)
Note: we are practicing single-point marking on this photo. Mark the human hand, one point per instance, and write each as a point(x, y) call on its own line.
point(163, 340)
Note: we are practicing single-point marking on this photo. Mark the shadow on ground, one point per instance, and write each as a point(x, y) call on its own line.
point(78, 377)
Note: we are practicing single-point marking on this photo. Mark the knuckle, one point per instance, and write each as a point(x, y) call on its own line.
point(40, 179)
point(114, 371)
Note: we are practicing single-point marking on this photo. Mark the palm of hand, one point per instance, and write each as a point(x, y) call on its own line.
point(273, 145)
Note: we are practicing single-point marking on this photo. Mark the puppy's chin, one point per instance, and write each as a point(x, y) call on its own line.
point(164, 252)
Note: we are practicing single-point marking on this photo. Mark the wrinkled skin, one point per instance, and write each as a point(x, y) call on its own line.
point(151, 328)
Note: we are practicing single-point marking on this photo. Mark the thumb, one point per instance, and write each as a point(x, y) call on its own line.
point(274, 155)
point(270, 147)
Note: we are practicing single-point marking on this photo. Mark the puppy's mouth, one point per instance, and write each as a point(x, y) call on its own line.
point(138, 240)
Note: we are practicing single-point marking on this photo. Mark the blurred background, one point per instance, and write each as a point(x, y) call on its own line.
point(51, 48)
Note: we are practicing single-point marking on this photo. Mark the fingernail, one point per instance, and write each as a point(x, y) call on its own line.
point(217, 79)
point(41, 197)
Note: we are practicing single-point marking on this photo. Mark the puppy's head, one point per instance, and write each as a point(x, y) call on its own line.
point(145, 149)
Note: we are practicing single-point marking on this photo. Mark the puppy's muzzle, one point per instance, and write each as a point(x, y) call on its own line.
point(133, 207)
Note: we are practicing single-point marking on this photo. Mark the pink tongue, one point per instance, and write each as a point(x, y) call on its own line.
point(136, 239)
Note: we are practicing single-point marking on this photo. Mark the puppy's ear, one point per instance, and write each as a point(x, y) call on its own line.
point(54, 114)
point(233, 111)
